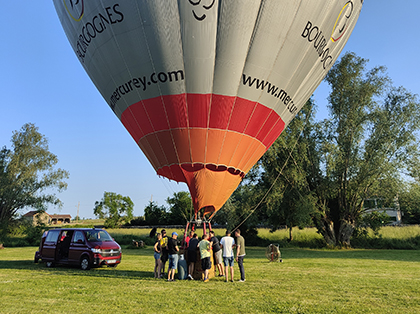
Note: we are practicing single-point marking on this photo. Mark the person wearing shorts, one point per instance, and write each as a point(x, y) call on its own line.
point(227, 243)
point(205, 253)
point(218, 256)
point(192, 255)
point(173, 256)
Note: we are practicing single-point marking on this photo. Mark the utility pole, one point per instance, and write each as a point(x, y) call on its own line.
point(77, 217)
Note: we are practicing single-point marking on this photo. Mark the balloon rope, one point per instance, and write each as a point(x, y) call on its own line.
point(278, 176)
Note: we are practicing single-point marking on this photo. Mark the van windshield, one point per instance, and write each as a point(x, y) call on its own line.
point(98, 236)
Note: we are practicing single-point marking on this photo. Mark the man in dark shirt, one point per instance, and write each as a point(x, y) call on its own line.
point(218, 258)
point(192, 255)
point(173, 256)
point(164, 247)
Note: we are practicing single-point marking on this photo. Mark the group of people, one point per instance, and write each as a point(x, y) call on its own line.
point(167, 249)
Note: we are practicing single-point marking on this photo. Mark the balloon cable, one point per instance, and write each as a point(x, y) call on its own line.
point(278, 175)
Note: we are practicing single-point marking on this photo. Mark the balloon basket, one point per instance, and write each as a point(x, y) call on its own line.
point(198, 272)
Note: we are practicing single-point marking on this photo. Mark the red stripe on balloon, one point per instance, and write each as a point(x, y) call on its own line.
point(202, 111)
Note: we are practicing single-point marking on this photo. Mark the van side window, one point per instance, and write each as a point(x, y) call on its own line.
point(78, 236)
point(52, 236)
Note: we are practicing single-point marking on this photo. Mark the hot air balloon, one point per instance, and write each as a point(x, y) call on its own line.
point(204, 87)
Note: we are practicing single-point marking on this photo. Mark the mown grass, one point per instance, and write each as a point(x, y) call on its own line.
point(308, 281)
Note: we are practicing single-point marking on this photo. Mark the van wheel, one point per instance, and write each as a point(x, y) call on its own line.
point(84, 263)
point(49, 264)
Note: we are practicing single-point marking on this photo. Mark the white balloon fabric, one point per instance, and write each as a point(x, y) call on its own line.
point(206, 86)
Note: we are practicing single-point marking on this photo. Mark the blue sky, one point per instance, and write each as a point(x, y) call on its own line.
point(42, 82)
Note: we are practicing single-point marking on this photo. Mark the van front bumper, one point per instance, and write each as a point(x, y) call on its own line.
point(99, 260)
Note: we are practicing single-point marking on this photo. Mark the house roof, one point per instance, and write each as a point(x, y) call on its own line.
point(33, 213)
point(61, 216)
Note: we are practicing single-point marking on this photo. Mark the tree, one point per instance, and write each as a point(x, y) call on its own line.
point(28, 175)
point(180, 208)
point(369, 140)
point(285, 168)
point(115, 208)
point(409, 200)
point(155, 215)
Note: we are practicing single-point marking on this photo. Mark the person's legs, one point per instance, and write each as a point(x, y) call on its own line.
point(159, 267)
point(241, 267)
point(164, 258)
point(171, 261)
point(163, 267)
point(221, 269)
point(219, 261)
point(174, 265)
point(231, 262)
point(226, 263)
point(155, 271)
point(190, 268)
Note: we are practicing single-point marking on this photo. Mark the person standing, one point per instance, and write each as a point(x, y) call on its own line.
point(218, 257)
point(157, 251)
point(205, 254)
point(192, 255)
point(227, 244)
point(173, 256)
point(188, 238)
point(164, 248)
point(240, 253)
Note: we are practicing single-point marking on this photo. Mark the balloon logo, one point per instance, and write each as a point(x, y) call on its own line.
point(75, 9)
point(208, 7)
point(205, 87)
point(340, 26)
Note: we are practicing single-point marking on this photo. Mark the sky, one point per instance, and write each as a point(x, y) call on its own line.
point(42, 82)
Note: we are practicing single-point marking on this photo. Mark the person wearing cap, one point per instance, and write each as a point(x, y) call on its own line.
point(173, 256)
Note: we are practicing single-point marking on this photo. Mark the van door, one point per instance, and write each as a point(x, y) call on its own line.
point(63, 246)
point(48, 252)
point(77, 247)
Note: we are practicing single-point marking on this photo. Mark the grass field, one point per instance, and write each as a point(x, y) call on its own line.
point(308, 281)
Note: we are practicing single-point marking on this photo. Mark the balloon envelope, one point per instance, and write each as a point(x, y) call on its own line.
point(204, 87)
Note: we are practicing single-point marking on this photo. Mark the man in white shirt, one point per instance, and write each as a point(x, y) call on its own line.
point(227, 243)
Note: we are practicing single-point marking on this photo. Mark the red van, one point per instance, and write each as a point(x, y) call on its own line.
point(82, 246)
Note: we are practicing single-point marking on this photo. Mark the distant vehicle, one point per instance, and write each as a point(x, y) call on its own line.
point(86, 247)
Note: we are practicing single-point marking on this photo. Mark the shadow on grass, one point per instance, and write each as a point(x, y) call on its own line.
point(70, 270)
point(362, 254)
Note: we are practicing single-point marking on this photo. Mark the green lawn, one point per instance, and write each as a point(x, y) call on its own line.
point(308, 281)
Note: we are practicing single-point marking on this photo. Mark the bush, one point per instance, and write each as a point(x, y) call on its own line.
point(34, 234)
point(137, 221)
